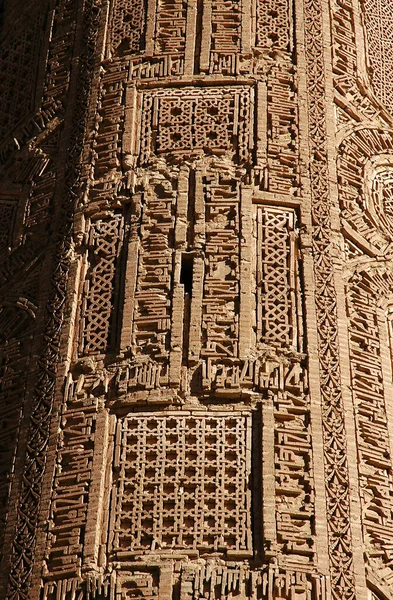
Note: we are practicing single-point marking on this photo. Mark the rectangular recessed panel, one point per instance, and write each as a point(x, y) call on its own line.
point(277, 277)
point(196, 122)
point(183, 483)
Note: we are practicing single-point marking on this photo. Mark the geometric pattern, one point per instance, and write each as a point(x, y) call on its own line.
point(200, 121)
point(379, 32)
point(99, 285)
point(183, 483)
point(276, 277)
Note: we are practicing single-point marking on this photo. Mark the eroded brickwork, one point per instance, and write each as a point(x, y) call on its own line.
point(196, 332)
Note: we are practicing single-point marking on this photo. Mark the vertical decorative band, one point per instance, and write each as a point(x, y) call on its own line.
point(334, 436)
point(24, 545)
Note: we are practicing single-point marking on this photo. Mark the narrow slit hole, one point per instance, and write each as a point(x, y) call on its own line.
point(186, 273)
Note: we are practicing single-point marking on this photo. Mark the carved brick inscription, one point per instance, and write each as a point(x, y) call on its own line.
point(172, 425)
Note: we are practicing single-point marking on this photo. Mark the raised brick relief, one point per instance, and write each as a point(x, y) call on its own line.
point(207, 285)
point(369, 293)
point(333, 424)
point(282, 143)
point(21, 547)
point(182, 483)
point(278, 306)
point(14, 355)
point(379, 193)
point(220, 311)
point(379, 32)
point(7, 222)
point(18, 63)
point(363, 171)
point(286, 433)
point(274, 24)
point(204, 581)
point(97, 313)
point(193, 442)
point(106, 144)
point(126, 26)
point(72, 480)
point(196, 122)
point(227, 33)
point(170, 27)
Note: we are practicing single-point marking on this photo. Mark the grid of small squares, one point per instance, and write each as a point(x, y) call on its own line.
point(184, 483)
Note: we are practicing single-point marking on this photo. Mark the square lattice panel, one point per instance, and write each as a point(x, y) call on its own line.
point(183, 482)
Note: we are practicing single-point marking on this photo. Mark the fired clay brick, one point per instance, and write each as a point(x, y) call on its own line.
point(196, 308)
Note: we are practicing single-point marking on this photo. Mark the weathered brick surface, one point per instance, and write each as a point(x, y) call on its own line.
point(196, 339)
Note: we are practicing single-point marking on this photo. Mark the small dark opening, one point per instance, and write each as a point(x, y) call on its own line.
point(198, 37)
point(186, 273)
point(176, 591)
point(176, 111)
point(255, 483)
point(191, 209)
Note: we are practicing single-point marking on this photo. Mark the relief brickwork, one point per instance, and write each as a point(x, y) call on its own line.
point(190, 303)
point(208, 121)
point(21, 46)
point(364, 192)
point(174, 280)
point(274, 24)
point(334, 435)
point(126, 26)
point(17, 321)
point(170, 27)
point(30, 166)
point(366, 222)
point(278, 306)
point(368, 294)
point(378, 26)
point(363, 168)
point(194, 582)
point(71, 487)
point(183, 483)
point(97, 319)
